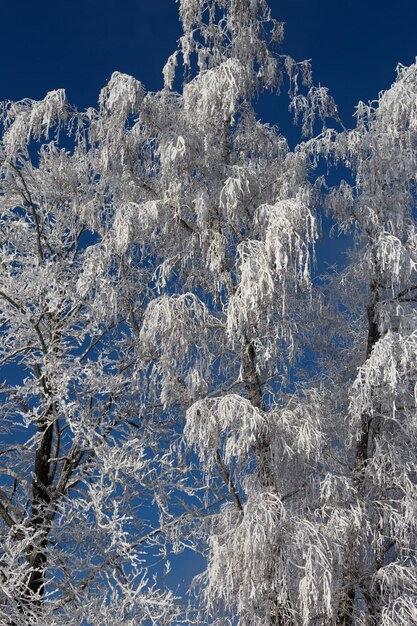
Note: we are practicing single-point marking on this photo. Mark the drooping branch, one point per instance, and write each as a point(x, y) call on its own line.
point(225, 474)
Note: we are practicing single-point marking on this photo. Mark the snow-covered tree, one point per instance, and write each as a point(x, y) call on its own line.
point(378, 583)
point(175, 372)
point(77, 456)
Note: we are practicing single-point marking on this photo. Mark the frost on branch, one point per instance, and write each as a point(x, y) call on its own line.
point(272, 269)
point(132, 223)
point(122, 95)
point(229, 422)
point(217, 91)
point(232, 29)
point(238, 574)
point(299, 428)
point(174, 336)
point(29, 119)
point(169, 70)
point(316, 104)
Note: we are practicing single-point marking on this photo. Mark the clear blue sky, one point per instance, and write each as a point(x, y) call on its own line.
point(354, 45)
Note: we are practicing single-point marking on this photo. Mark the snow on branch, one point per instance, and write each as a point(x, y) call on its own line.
point(174, 332)
point(230, 422)
point(218, 91)
point(28, 119)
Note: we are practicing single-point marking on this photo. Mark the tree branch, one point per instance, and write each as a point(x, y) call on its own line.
point(28, 198)
point(113, 559)
point(225, 474)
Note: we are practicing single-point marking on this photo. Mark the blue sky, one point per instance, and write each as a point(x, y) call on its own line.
point(354, 45)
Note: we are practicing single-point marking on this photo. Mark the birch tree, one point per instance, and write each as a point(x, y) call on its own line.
point(75, 453)
point(175, 372)
point(379, 203)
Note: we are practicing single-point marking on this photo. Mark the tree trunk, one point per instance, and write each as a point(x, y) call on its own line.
point(39, 522)
point(350, 568)
point(279, 615)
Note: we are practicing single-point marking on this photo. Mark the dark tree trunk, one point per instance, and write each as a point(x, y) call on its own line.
point(350, 572)
point(39, 522)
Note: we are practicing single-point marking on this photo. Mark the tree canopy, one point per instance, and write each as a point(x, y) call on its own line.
point(177, 372)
